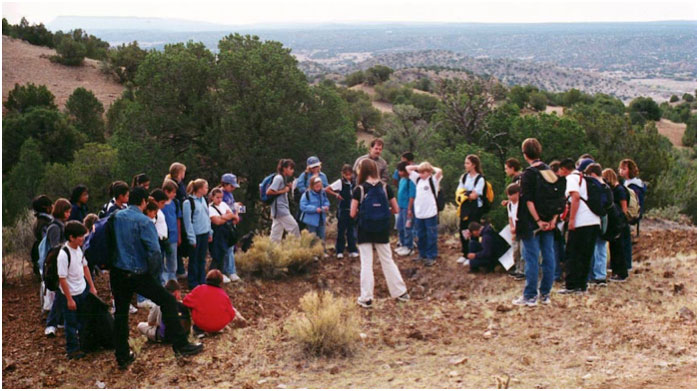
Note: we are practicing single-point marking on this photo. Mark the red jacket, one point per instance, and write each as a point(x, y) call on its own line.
point(211, 308)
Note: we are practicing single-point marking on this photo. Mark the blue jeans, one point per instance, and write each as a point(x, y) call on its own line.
point(539, 243)
point(427, 237)
point(74, 320)
point(598, 263)
point(229, 262)
point(55, 316)
point(626, 237)
point(196, 269)
point(170, 266)
point(405, 234)
point(559, 251)
point(346, 231)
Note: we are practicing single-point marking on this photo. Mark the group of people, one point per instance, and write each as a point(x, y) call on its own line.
point(550, 215)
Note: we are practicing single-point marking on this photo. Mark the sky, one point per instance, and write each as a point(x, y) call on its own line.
point(345, 11)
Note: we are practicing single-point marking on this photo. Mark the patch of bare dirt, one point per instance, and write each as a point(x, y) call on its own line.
point(672, 130)
point(458, 331)
point(24, 63)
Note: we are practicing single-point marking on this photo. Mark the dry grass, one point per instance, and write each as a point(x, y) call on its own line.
point(326, 326)
point(671, 213)
point(449, 220)
point(17, 241)
point(270, 259)
point(302, 251)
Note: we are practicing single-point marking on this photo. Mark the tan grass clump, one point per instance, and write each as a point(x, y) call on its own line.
point(326, 326)
point(302, 251)
point(449, 220)
point(270, 259)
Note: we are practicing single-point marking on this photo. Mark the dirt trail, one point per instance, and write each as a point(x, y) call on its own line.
point(458, 331)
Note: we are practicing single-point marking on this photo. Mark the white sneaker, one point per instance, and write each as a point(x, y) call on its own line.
point(339, 256)
point(60, 326)
point(404, 251)
point(146, 304)
point(397, 249)
point(50, 331)
point(234, 277)
point(461, 260)
point(466, 262)
point(226, 280)
point(354, 255)
point(132, 309)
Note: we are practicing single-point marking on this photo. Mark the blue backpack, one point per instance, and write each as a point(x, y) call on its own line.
point(100, 245)
point(44, 247)
point(374, 212)
point(264, 185)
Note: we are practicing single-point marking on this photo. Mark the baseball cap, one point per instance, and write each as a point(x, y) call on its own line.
point(312, 161)
point(230, 179)
point(584, 163)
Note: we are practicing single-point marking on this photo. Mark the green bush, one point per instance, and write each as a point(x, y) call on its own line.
point(22, 182)
point(676, 186)
point(644, 109)
point(123, 61)
point(355, 78)
point(269, 259)
point(85, 112)
point(689, 139)
point(688, 97)
point(674, 98)
point(377, 74)
point(70, 52)
point(22, 98)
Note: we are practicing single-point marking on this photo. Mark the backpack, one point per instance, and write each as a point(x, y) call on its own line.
point(549, 197)
point(264, 185)
point(103, 212)
point(637, 196)
point(43, 248)
point(100, 245)
point(599, 195)
point(374, 213)
point(615, 223)
point(438, 196)
point(51, 267)
point(98, 328)
point(488, 194)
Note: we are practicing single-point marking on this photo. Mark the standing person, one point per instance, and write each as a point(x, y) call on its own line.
point(197, 223)
point(282, 221)
point(136, 244)
point(407, 157)
point(221, 215)
point(370, 201)
point(120, 190)
point(469, 200)
point(426, 179)
point(598, 265)
point(583, 230)
point(170, 211)
point(177, 173)
point(535, 225)
point(78, 199)
point(229, 182)
point(512, 206)
point(617, 262)
point(141, 180)
point(513, 170)
point(346, 227)
point(628, 173)
point(72, 274)
point(313, 168)
point(376, 147)
point(314, 207)
point(404, 222)
point(158, 219)
point(42, 206)
point(559, 242)
point(55, 237)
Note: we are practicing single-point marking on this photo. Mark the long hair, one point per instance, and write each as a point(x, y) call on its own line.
point(476, 161)
point(631, 166)
point(367, 169)
point(60, 207)
point(284, 163)
point(610, 177)
point(175, 169)
point(76, 193)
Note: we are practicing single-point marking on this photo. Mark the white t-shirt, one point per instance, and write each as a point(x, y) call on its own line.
point(160, 225)
point(470, 185)
point(512, 211)
point(425, 203)
point(584, 217)
point(73, 273)
point(222, 207)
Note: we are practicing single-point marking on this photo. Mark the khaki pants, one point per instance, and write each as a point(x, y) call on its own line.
point(281, 224)
point(396, 286)
point(517, 254)
point(148, 330)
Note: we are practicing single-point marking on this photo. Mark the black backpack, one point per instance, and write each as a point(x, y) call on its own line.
point(438, 196)
point(549, 196)
point(98, 329)
point(51, 267)
point(599, 196)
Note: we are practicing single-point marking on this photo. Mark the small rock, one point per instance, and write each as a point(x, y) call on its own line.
point(668, 274)
point(262, 381)
point(526, 360)
point(592, 358)
point(416, 334)
point(679, 351)
point(453, 374)
point(458, 360)
point(677, 288)
point(587, 376)
point(9, 365)
point(662, 364)
point(686, 314)
point(334, 370)
point(503, 308)
point(281, 385)
point(362, 335)
point(100, 384)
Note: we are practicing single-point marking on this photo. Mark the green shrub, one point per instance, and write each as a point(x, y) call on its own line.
point(326, 326)
point(674, 98)
point(672, 213)
point(70, 52)
point(689, 139)
point(22, 98)
point(354, 78)
point(688, 97)
point(270, 259)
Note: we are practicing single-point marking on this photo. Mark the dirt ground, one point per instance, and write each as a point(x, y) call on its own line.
point(24, 63)
point(672, 130)
point(458, 331)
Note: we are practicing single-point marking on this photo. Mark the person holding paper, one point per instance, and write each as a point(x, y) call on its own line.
point(485, 254)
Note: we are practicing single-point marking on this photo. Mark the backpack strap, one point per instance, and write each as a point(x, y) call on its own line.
point(217, 211)
point(65, 249)
point(434, 191)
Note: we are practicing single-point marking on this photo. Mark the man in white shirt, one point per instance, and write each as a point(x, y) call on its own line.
point(583, 230)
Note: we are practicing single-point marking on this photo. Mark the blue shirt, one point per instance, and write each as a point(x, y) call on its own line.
point(170, 212)
point(406, 191)
point(310, 202)
point(303, 179)
point(229, 200)
point(136, 240)
point(198, 224)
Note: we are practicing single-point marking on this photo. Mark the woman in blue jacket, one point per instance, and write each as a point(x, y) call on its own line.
point(314, 207)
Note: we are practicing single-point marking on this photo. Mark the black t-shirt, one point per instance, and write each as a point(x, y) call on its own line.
point(527, 183)
point(620, 194)
point(372, 237)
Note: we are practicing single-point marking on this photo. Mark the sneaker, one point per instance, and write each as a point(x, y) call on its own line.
point(365, 304)
point(616, 278)
point(146, 304)
point(123, 364)
point(398, 248)
point(404, 297)
point(566, 291)
point(234, 277)
point(522, 301)
point(545, 299)
point(417, 259)
point(466, 262)
point(354, 254)
point(197, 332)
point(60, 326)
point(461, 260)
point(430, 261)
point(76, 355)
point(404, 251)
point(339, 256)
point(226, 280)
point(520, 277)
point(190, 349)
point(132, 309)
point(599, 283)
point(50, 331)
point(183, 275)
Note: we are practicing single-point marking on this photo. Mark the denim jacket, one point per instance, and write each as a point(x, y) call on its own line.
point(136, 240)
point(310, 202)
point(198, 224)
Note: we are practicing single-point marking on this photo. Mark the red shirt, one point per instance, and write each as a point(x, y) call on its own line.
point(211, 308)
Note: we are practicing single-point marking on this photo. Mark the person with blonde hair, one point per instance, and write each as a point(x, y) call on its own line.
point(426, 179)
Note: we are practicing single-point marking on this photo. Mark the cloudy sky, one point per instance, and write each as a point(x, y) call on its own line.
point(314, 11)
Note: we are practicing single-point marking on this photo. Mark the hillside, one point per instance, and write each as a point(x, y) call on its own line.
point(25, 63)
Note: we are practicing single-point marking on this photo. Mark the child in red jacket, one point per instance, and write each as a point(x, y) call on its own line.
point(211, 307)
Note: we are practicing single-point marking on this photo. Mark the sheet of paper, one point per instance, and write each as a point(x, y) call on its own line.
point(506, 234)
point(508, 259)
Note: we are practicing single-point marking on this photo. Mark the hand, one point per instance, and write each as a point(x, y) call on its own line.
point(318, 210)
point(513, 231)
point(410, 214)
point(544, 226)
point(194, 245)
point(504, 203)
point(93, 290)
point(325, 208)
point(339, 196)
point(71, 303)
point(211, 239)
point(571, 224)
point(471, 255)
point(235, 219)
